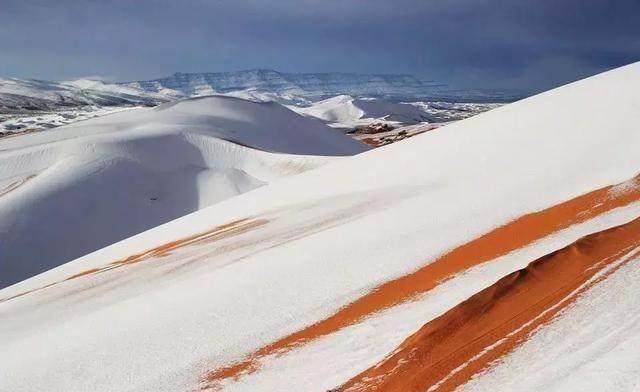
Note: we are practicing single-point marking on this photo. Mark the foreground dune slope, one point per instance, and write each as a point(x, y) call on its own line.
point(373, 272)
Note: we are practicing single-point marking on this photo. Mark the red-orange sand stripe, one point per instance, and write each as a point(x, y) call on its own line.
point(514, 235)
point(447, 351)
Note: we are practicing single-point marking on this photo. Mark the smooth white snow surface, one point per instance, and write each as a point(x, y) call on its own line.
point(68, 192)
point(320, 240)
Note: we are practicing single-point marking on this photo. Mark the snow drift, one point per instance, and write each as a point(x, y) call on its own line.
point(68, 192)
point(328, 278)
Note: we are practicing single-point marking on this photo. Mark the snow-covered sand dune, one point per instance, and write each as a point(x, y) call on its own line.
point(68, 192)
point(345, 111)
point(333, 278)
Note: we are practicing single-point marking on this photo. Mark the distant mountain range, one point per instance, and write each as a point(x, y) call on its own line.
point(291, 88)
point(315, 86)
point(311, 86)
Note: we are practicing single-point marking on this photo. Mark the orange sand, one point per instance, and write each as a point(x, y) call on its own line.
point(494, 321)
point(227, 230)
point(514, 235)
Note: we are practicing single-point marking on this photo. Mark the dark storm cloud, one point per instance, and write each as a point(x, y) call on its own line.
point(530, 44)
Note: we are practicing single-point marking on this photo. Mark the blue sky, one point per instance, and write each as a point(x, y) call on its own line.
point(467, 43)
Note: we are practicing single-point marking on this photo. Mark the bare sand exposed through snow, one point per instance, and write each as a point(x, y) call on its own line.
point(502, 240)
point(223, 231)
point(448, 350)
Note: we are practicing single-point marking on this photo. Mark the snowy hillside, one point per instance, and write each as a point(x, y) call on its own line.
point(18, 94)
point(29, 105)
point(497, 253)
point(70, 191)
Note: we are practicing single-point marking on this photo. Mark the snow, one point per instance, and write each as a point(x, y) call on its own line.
point(28, 105)
point(325, 237)
point(36, 105)
point(85, 186)
point(592, 347)
point(345, 111)
point(360, 346)
point(28, 121)
point(303, 86)
point(39, 94)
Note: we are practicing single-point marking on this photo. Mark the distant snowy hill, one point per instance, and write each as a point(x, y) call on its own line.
point(18, 94)
point(28, 105)
point(80, 187)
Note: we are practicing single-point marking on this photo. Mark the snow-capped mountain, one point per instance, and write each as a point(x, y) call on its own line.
point(498, 253)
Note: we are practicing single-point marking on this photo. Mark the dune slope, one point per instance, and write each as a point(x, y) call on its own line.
point(68, 192)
